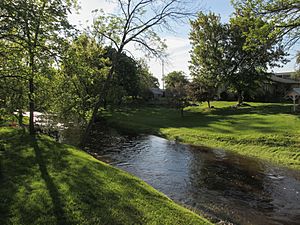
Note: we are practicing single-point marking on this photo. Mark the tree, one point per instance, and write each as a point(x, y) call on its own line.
point(177, 89)
point(199, 91)
point(12, 80)
point(35, 27)
point(283, 14)
point(174, 78)
point(208, 38)
point(136, 24)
point(146, 79)
point(84, 68)
point(229, 61)
point(248, 65)
point(125, 81)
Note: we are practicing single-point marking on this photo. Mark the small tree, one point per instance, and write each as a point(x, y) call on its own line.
point(174, 78)
point(177, 90)
point(202, 92)
point(208, 38)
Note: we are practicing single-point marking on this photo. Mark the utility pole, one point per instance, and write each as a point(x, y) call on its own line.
point(163, 73)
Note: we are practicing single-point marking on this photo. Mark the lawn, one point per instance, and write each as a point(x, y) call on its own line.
point(44, 182)
point(265, 130)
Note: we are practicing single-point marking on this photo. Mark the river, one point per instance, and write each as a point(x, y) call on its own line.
point(226, 187)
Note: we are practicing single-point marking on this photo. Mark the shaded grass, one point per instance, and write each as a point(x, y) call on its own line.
point(44, 182)
point(265, 130)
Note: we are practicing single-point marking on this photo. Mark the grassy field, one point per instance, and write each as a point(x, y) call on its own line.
point(265, 130)
point(44, 182)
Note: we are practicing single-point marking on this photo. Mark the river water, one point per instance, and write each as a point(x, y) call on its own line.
point(225, 186)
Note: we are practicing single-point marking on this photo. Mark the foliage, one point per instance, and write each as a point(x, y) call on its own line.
point(177, 89)
point(283, 14)
point(174, 78)
point(229, 60)
point(136, 23)
point(125, 79)
point(83, 71)
point(36, 29)
point(13, 85)
point(146, 79)
point(199, 92)
point(208, 38)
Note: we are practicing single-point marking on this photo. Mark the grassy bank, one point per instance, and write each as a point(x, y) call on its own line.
point(265, 130)
point(43, 182)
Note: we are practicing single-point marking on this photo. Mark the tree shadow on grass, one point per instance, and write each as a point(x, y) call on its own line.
point(95, 188)
point(220, 120)
point(16, 165)
point(90, 197)
point(52, 189)
point(264, 109)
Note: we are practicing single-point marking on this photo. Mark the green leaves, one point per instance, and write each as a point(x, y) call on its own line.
point(283, 15)
point(225, 55)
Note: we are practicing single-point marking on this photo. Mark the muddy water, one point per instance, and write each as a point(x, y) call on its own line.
point(225, 186)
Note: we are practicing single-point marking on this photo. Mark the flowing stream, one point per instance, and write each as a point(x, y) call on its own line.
point(225, 186)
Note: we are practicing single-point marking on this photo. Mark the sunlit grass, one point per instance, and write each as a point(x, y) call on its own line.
point(265, 130)
point(44, 182)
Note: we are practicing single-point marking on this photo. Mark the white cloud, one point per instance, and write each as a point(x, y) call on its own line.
point(85, 17)
point(178, 57)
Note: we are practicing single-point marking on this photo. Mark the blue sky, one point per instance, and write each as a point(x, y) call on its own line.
point(178, 43)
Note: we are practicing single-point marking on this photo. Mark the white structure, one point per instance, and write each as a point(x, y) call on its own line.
point(294, 94)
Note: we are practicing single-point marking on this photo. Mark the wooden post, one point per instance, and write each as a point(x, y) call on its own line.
point(294, 101)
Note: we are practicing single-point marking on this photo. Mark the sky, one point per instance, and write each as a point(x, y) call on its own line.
point(177, 42)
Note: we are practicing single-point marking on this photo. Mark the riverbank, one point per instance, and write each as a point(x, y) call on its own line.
point(44, 182)
point(265, 130)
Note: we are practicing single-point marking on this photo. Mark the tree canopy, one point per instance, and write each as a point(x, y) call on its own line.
point(36, 29)
point(220, 54)
point(282, 14)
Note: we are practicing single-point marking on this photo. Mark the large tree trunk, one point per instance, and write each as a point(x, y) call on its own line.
point(102, 99)
point(88, 128)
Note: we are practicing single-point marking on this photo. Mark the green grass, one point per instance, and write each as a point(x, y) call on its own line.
point(44, 182)
point(265, 130)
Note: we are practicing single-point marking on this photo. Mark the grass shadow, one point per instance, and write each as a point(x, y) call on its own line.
point(16, 165)
point(52, 189)
point(221, 120)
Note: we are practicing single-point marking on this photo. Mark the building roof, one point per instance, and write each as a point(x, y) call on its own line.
point(157, 91)
point(284, 73)
point(284, 80)
point(296, 90)
point(294, 93)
